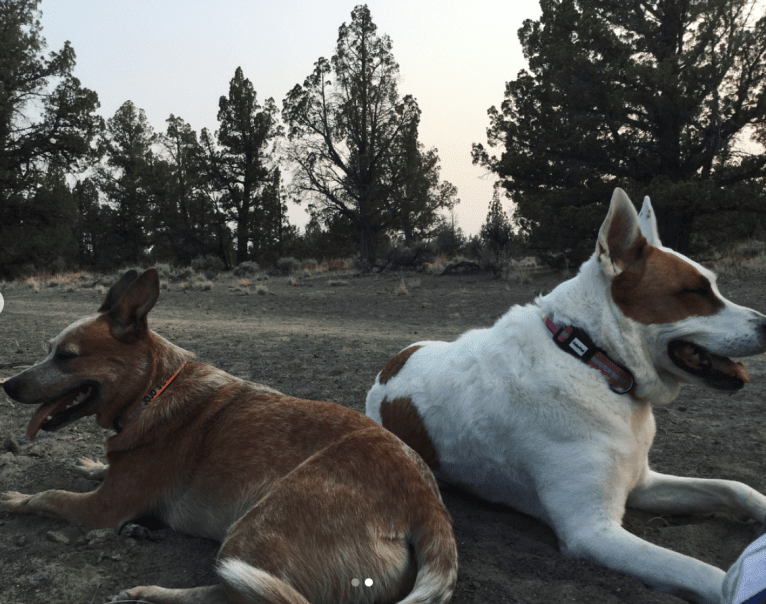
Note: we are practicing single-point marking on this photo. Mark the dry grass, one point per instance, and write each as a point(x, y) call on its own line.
point(744, 257)
point(437, 266)
point(337, 264)
point(401, 289)
point(337, 282)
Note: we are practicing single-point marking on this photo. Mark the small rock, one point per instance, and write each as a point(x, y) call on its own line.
point(12, 445)
point(99, 536)
point(7, 458)
point(21, 540)
point(57, 537)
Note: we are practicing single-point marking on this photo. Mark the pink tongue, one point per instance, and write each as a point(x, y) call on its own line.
point(730, 367)
point(43, 412)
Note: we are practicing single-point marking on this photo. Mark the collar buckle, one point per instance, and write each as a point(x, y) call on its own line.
point(576, 342)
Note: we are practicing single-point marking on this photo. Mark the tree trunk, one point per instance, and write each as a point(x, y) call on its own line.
point(675, 228)
point(366, 240)
point(242, 237)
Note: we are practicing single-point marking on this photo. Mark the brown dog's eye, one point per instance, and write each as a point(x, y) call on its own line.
point(703, 292)
point(65, 355)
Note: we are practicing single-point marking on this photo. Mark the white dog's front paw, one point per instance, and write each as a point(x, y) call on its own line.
point(94, 470)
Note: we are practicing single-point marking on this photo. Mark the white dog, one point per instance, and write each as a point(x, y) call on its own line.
point(514, 415)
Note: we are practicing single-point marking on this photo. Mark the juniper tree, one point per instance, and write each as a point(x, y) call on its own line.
point(657, 96)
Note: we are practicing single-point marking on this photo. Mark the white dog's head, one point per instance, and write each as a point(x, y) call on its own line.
point(689, 329)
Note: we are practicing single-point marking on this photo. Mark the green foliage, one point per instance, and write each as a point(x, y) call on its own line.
point(42, 234)
point(186, 223)
point(47, 123)
point(655, 97)
point(354, 141)
point(448, 238)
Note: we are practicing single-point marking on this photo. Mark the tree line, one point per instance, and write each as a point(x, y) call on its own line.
point(80, 190)
point(665, 98)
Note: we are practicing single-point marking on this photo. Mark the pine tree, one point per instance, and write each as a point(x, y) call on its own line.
point(186, 220)
point(496, 232)
point(238, 161)
point(47, 123)
point(128, 180)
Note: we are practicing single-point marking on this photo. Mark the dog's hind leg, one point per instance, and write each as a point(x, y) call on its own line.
point(606, 543)
point(213, 594)
point(666, 494)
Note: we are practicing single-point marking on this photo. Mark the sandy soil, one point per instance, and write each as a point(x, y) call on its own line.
point(323, 341)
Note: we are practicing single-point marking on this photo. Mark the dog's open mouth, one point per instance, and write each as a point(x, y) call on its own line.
point(718, 372)
point(64, 409)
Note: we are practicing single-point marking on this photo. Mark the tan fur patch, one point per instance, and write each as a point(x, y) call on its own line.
point(396, 363)
point(659, 287)
point(401, 417)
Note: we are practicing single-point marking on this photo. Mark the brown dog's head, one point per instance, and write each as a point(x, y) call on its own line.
point(97, 365)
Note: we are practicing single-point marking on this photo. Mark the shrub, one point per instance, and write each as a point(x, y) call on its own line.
point(207, 263)
point(181, 275)
point(288, 265)
point(247, 269)
point(337, 264)
point(413, 256)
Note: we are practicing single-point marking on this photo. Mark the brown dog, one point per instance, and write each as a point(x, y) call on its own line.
point(310, 499)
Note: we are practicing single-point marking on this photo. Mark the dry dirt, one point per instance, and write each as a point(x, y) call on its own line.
point(328, 342)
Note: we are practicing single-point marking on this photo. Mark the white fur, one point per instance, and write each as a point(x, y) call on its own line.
point(516, 420)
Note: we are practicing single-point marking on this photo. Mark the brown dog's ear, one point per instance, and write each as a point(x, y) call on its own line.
point(127, 314)
point(115, 292)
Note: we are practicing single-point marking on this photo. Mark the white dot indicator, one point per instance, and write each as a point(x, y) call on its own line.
point(355, 582)
point(368, 582)
point(2, 302)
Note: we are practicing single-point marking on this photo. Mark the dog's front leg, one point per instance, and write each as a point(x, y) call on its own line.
point(92, 510)
point(666, 494)
point(606, 543)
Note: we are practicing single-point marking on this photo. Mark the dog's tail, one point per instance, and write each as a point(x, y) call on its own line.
point(257, 585)
point(436, 555)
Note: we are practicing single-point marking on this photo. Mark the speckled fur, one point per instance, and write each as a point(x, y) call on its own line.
point(305, 495)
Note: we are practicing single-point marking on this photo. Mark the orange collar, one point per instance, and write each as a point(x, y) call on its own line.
point(119, 425)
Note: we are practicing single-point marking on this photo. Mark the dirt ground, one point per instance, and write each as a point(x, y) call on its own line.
point(321, 341)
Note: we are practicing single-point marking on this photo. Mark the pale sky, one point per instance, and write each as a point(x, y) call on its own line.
point(177, 56)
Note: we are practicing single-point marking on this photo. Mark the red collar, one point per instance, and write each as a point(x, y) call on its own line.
point(119, 425)
point(577, 343)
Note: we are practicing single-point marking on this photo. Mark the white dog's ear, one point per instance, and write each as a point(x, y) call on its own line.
point(619, 239)
point(647, 221)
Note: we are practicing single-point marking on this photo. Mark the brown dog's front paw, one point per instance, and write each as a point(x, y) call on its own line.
point(94, 470)
point(11, 501)
point(122, 597)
